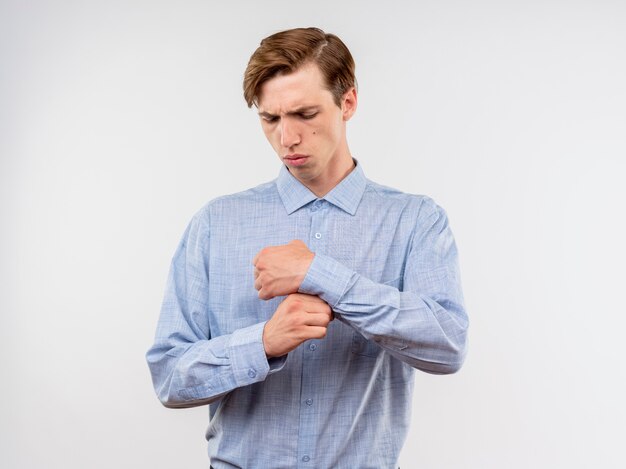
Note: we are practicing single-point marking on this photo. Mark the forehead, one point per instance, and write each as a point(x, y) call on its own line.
point(304, 87)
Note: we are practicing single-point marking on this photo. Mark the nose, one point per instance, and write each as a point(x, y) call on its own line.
point(289, 134)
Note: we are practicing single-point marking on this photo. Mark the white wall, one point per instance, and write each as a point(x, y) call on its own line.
point(119, 119)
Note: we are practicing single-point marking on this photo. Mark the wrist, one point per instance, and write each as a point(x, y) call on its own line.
point(266, 342)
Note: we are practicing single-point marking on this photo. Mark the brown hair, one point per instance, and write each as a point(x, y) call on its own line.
point(286, 51)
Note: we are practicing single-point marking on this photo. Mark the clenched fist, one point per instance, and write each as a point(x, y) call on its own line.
point(279, 270)
point(298, 318)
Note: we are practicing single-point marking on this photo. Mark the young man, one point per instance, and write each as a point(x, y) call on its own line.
point(300, 309)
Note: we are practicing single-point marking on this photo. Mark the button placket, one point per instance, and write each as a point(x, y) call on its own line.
point(308, 416)
point(317, 222)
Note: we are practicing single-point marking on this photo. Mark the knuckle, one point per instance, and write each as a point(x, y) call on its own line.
point(260, 260)
point(296, 304)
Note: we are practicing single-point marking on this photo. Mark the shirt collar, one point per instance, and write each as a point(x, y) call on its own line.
point(346, 195)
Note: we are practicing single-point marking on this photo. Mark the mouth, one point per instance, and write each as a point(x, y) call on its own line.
point(295, 159)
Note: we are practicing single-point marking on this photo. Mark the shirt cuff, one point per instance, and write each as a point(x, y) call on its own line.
point(247, 354)
point(327, 279)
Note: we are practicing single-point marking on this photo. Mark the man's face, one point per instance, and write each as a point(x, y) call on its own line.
point(305, 126)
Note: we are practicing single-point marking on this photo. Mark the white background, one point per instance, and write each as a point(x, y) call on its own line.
point(119, 120)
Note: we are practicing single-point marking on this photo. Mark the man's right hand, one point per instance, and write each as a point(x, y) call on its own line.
point(298, 318)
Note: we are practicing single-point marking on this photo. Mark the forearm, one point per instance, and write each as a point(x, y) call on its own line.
point(188, 374)
point(426, 329)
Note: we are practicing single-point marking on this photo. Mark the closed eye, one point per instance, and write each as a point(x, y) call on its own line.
point(268, 118)
point(305, 115)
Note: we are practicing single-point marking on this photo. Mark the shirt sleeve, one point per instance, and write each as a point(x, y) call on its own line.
point(424, 322)
point(189, 367)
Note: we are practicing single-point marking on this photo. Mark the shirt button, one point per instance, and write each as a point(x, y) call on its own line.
point(312, 347)
point(251, 373)
point(317, 205)
point(318, 235)
point(306, 458)
point(309, 402)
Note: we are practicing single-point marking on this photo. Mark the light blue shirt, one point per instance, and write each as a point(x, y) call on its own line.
point(386, 263)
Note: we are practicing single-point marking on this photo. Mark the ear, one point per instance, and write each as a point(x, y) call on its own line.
point(348, 104)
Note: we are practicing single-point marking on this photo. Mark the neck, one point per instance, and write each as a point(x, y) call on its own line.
point(327, 182)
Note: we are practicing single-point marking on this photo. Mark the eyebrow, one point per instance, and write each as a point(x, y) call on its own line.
point(300, 110)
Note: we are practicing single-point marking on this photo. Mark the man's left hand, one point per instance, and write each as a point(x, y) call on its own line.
point(279, 270)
